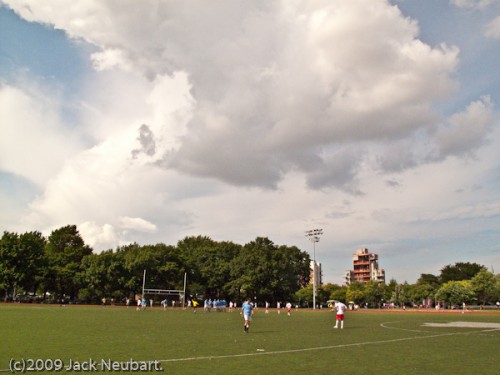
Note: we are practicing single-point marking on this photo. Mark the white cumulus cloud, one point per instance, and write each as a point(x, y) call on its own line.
point(238, 119)
point(492, 29)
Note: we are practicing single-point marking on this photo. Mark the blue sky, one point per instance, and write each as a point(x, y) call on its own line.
point(374, 120)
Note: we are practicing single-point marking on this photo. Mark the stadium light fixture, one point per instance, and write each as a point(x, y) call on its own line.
point(314, 235)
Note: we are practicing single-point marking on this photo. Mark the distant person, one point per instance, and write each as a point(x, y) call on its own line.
point(195, 305)
point(288, 308)
point(267, 307)
point(340, 310)
point(139, 304)
point(278, 307)
point(164, 303)
point(247, 309)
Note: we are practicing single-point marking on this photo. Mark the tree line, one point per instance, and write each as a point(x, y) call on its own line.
point(62, 268)
point(462, 282)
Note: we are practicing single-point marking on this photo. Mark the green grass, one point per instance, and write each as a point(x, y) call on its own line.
point(214, 343)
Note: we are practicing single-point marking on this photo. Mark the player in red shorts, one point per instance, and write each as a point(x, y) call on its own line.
point(340, 307)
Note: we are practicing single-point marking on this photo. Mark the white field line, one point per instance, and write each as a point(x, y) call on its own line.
point(384, 325)
point(315, 348)
point(277, 352)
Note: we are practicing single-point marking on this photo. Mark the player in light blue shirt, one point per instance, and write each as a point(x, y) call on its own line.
point(247, 309)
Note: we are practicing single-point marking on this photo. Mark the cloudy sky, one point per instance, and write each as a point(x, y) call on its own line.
point(148, 121)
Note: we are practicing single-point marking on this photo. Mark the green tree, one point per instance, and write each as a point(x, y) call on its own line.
point(267, 272)
point(208, 264)
point(455, 292)
point(335, 292)
point(356, 293)
point(401, 294)
point(304, 296)
point(484, 286)
point(339, 294)
point(376, 293)
point(10, 274)
point(95, 278)
point(32, 260)
point(293, 270)
point(65, 250)
point(460, 271)
point(420, 292)
point(425, 288)
point(163, 270)
point(429, 279)
point(22, 262)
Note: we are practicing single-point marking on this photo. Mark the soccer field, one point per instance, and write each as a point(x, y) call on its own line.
point(97, 338)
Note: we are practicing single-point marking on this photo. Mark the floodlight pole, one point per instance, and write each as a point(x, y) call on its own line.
point(143, 283)
point(313, 236)
point(184, 295)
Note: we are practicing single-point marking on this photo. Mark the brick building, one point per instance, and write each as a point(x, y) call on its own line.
point(364, 268)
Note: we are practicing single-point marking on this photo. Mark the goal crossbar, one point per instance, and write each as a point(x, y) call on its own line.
point(170, 292)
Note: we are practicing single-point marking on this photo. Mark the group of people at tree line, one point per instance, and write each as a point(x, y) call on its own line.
point(248, 308)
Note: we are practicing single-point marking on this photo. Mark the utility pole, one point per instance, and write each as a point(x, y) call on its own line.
point(314, 235)
point(143, 283)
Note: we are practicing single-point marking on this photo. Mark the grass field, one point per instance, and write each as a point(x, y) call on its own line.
point(214, 343)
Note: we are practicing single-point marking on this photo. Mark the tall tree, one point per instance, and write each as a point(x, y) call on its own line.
point(304, 296)
point(455, 292)
point(460, 271)
point(207, 264)
point(429, 279)
point(65, 250)
point(356, 293)
point(32, 260)
point(401, 294)
point(376, 293)
point(268, 272)
point(10, 274)
point(94, 276)
point(484, 285)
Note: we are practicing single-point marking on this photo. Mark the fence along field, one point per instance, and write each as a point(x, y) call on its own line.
point(184, 342)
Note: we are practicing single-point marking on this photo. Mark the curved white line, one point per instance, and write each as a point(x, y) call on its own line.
point(313, 348)
point(383, 325)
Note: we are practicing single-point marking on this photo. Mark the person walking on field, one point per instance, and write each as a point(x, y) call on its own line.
point(247, 309)
point(340, 309)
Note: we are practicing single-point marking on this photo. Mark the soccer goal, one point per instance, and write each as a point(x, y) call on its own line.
point(165, 292)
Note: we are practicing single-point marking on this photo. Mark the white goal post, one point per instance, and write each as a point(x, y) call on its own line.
point(169, 292)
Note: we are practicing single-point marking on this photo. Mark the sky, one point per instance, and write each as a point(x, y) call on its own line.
point(374, 120)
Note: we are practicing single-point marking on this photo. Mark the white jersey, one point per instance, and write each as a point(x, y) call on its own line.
point(340, 308)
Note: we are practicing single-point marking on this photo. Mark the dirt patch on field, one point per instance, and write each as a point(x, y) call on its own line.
point(427, 311)
point(464, 325)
